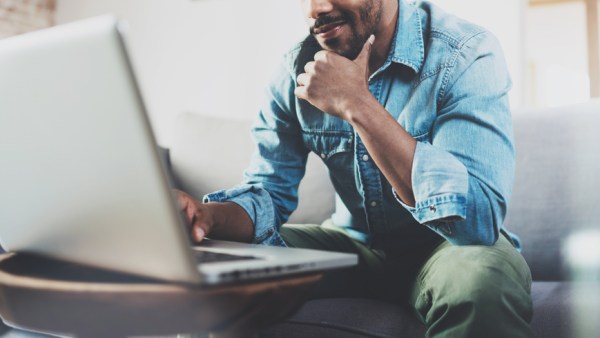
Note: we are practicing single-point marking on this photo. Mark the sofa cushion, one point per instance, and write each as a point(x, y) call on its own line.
point(210, 153)
point(552, 309)
point(345, 317)
point(556, 188)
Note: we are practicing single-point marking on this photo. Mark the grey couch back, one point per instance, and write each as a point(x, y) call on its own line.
point(557, 183)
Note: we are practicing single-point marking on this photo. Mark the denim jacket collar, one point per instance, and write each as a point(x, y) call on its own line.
point(408, 47)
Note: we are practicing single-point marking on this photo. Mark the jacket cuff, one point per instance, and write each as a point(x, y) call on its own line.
point(446, 208)
point(258, 205)
point(440, 185)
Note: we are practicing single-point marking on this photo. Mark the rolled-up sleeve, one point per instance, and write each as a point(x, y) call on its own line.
point(269, 192)
point(462, 178)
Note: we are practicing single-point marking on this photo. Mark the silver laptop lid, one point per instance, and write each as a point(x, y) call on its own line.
point(79, 173)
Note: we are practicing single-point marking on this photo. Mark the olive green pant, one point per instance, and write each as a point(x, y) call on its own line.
point(456, 291)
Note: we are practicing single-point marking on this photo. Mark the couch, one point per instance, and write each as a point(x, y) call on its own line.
point(556, 192)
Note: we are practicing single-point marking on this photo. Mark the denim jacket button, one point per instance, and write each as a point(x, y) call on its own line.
point(323, 156)
point(374, 204)
point(365, 158)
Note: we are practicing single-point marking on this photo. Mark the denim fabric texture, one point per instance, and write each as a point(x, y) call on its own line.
point(446, 82)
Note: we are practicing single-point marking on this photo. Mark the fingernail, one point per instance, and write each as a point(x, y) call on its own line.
point(199, 234)
point(371, 39)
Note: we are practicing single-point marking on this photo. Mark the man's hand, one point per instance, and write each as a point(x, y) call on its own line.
point(334, 83)
point(226, 221)
point(197, 215)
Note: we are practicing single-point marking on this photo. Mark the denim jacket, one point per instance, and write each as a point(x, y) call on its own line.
point(445, 82)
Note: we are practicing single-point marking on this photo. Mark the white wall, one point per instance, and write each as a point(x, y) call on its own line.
point(210, 56)
point(215, 56)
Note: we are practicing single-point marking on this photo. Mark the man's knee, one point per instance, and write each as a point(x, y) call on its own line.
point(481, 287)
point(477, 265)
point(469, 289)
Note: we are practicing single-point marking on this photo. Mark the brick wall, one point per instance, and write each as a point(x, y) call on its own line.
point(21, 16)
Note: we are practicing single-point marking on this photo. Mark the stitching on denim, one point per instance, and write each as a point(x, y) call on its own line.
point(469, 38)
point(344, 139)
point(421, 44)
point(454, 61)
point(328, 132)
point(335, 152)
point(420, 136)
point(271, 219)
point(432, 72)
point(440, 200)
point(451, 40)
point(419, 30)
point(256, 129)
point(446, 77)
point(260, 238)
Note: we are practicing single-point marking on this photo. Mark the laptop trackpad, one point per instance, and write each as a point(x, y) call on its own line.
point(205, 257)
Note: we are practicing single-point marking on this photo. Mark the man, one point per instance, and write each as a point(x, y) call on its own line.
point(407, 106)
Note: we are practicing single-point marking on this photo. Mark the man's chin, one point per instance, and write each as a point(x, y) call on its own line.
point(338, 47)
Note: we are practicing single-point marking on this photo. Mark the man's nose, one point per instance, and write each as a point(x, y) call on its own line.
point(316, 8)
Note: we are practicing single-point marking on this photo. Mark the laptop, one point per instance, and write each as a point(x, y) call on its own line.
point(81, 179)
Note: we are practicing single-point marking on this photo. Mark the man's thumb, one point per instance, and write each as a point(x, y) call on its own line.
point(364, 55)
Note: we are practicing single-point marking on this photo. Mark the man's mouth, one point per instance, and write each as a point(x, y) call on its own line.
point(329, 30)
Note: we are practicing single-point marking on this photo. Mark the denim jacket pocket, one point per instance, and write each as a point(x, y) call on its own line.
point(329, 144)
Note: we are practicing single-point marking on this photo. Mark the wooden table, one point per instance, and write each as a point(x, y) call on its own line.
point(58, 297)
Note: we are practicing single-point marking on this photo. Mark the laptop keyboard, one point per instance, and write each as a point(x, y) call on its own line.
point(215, 257)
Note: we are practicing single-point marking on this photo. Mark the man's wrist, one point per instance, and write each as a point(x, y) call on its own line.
point(230, 222)
point(216, 212)
point(357, 112)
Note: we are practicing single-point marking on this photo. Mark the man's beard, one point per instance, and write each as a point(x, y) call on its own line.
point(369, 16)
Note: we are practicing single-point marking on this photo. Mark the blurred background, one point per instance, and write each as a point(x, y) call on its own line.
point(215, 56)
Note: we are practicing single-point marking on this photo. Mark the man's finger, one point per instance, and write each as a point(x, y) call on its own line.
point(181, 199)
point(309, 67)
point(198, 233)
point(302, 79)
point(190, 215)
point(300, 93)
point(322, 55)
point(363, 57)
